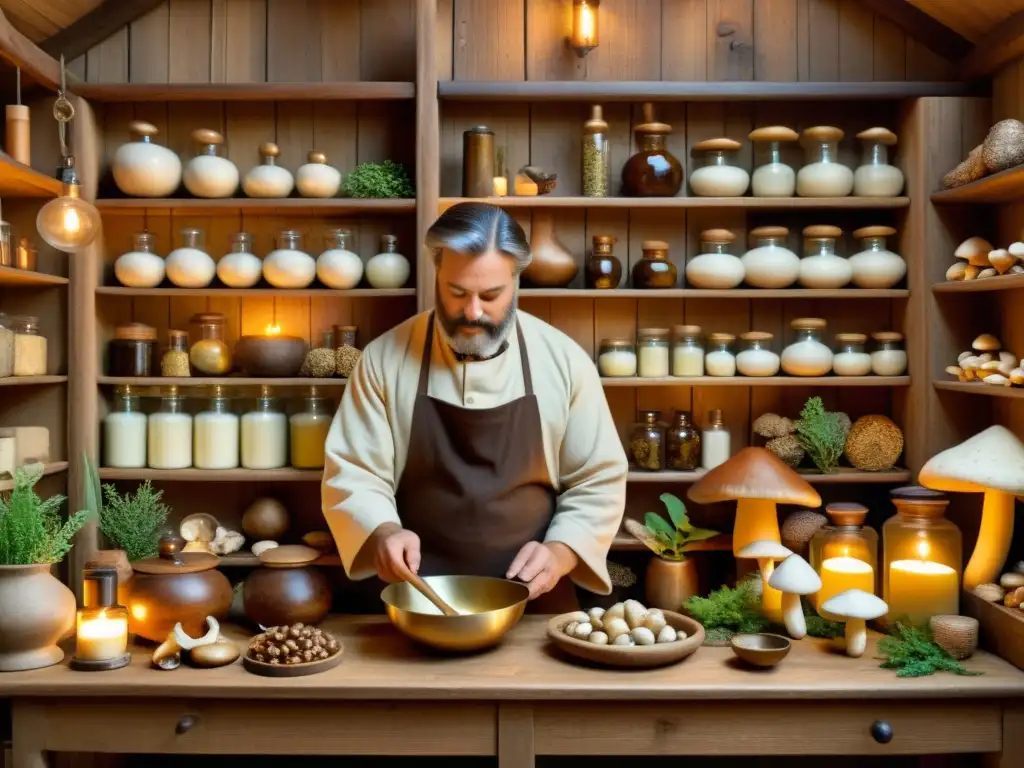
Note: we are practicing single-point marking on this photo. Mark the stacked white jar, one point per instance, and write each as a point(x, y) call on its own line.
point(770, 264)
point(807, 356)
point(823, 175)
point(774, 178)
point(821, 266)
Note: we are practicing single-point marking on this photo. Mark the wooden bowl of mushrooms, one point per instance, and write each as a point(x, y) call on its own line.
point(627, 635)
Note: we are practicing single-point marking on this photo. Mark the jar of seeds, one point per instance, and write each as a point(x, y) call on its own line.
point(596, 154)
point(647, 442)
point(320, 361)
point(175, 359)
point(346, 355)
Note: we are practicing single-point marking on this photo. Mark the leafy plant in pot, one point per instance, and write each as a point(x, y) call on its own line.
point(36, 609)
point(671, 577)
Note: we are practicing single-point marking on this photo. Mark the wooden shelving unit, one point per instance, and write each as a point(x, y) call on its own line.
point(215, 292)
point(29, 381)
point(25, 278)
point(290, 206)
point(708, 293)
point(17, 180)
point(980, 388)
point(1003, 187)
point(283, 475)
point(1001, 283)
point(50, 468)
point(754, 381)
point(171, 92)
point(633, 203)
point(211, 381)
point(842, 476)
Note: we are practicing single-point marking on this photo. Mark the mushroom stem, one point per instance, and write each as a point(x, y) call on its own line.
point(771, 598)
point(793, 615)
point(856, 637)
point(994, 536)
point(755, 521)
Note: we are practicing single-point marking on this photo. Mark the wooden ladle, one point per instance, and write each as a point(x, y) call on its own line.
point(428, 592)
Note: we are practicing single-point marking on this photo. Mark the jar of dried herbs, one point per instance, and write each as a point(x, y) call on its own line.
point(596, 154)
point(346, 354)
point(175, 363)
point(647, 442)
point(683, 444)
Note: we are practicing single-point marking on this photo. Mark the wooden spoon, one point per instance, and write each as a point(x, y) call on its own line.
point(428, 592)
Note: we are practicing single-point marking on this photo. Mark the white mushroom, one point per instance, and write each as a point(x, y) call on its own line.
point(1011, 580)
point(226, 541)
point(583, 630)
point(766, 552)
point(635, 613)
point(963, 356)
point(188, 643)
point(987, 272)
point(955, 370)
point(655, 620)
point(957, 271)
point(985, 357)
point(1002, 259)
point(598, 638)
point(666, 635)
point(262, 546)
point(617, 611)
point(997, 379)
point(168, 653)
point(997, 366)
point(578, 616)
point(857, 607)
point(1007, 357)
point(623, 639)
point(974, 250)
point(1016, 269)
point(615, 627)
point(794, 577)
point(971, 272)
point(1017, 249)
point(199, 527)
point(643, 636)
point(597, 612)
point(570, 628)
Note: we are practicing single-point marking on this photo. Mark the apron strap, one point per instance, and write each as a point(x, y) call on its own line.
point(527, 376)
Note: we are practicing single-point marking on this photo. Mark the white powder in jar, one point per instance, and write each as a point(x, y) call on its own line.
point(824, 180)
point(6, 352)
point(170, 441)
point(757, 362)
point(719, 181)
point(617, 363)
point(773, 180)
point(29, 354)
point(720, 363)
point(889, 362)
point(653, 361)
point(807, 358)
point(687, 360)
point(851, 364)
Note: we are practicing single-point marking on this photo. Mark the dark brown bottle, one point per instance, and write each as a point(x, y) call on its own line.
point(654, 270)
point(653, 171)
point(683, 452)
point(603, 269)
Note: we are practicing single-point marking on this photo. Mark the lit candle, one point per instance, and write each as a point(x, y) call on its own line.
point(920, 589)
point(101, 637)
point(273, 329)
point(500, 186)
point(839, 574)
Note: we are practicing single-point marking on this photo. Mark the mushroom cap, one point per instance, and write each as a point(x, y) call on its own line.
point(986, 342)
point(975, 250)
point(795, 576)
point(993, 459)
point(856, 604)
point(754, 473)
point(764, 550)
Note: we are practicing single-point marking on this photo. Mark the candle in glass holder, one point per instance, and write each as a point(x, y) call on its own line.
point(839, 574)
point(920, 589)
point(101, 640)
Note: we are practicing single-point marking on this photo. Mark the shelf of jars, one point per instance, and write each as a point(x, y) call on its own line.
point(1001, 187)
point(49, 468)
point(19, 180)
point(840, 476)
point(756, 381)
point(995, 283)
point(216, 291)
point(168, 92)
point(191, 474)
point(27, 278)
point(980, 388)
point(761, 203)
point(269, 206)
point(712, 293)
point(25, 381)
point(219, 381)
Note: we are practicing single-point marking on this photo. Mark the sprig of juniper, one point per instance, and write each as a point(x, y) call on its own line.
point(31, 529)
point(821, 435)
point(133, 521)
point(912, 653)
point(377, 180)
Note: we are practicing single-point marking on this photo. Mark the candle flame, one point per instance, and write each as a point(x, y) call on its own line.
point(923, 550)
point(273, 329)
point(586, 23)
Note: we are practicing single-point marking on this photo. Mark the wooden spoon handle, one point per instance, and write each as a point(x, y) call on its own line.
point(428, 592)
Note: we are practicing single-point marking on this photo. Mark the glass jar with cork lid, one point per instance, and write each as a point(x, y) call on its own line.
point(807, 355)
point(124, 432)
point(652, 171)
point(30, 346)
point(875, 177)
point(169, 436)
point(757, 358)
point(647, 442)
point(770, 264)
point(849, 358)
point(308, 430)
point(822, 174)
point(596, 154)
point(132, 351)
point(210, 355)
point(215, 433)
point(654, 270)
point(774, 178)
point(719, 175)
point(616, 358)
point(821, 266)
point(719, 359)
point(603, 269)
point(346, 352)
point(652, 350)
point(844, 553)
point(175, 361)
point(875, 266)
point(6, 346)
point(687, 351)
point(715, 267)
point(889, 358)
point(683, 444)
point(264, 434)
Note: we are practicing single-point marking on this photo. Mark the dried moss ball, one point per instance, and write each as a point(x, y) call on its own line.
point(787, 448)
point(971, 169)
point(1004, 145)
point(345, 359)
point(772, 425)
point(319, 363)
point(798, 529)
point(957, 635)
point(874, 443)
point(844, 422)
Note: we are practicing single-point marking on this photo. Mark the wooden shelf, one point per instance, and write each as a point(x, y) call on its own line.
point(1001, 628)
point(698, 293)
point(211, 381)
point(1001, 283)
point(29, 278)
point(249, 560)
point(18, 180)
point(624, 541)
point(844, 475)
point(269, 206)
point(569, 90)
point(980, 388)
point(759, 381)
point(362, 91)
point(762, 203)
point(285, 474)
point(214, 291)
point(24, 381)
point(1003, 187)
point(50, 468)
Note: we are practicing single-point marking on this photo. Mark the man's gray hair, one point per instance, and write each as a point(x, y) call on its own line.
point(473, 229)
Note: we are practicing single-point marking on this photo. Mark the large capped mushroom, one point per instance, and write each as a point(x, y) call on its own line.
point(991, 462)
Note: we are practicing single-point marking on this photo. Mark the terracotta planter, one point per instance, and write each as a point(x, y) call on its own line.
point(553, 265)
point(669, 583)
point(36, 612)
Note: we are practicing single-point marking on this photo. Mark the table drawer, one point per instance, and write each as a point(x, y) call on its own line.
point(766, 728)
point(201, 726)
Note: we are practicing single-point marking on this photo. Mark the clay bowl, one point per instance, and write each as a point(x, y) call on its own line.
point(271, 356)
point(489, 608)
point(293, 670)
point(761, 650)
point(630, 657)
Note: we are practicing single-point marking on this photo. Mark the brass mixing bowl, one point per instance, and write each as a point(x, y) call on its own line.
point(490, 607)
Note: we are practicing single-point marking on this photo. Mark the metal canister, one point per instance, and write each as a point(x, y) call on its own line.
point(26, 257)
point(6, 251)
point(478, 162)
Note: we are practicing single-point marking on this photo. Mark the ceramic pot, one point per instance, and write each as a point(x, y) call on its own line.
point(553, 265)
point(273, 596)
point(670, 583)
point(36, 612)
point(275, 356)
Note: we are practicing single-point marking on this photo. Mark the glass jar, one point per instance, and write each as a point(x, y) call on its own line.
point(875, 177)
point(207, 174)
point(240, 267)
point(309, 431)
point(175, 363)
point(140, 267)
point(316, 178)
point(922, 556)
point(264, 434)
point(389, 268)
point(190, 266)
point(844, 553)
point(288, 266)
point(101, 624)
point(6, 346)
point(822, 174)
point(715, 441)
point(654, 270)
point(715, 267)
point(124, 432)
point(821, 267)
point(757, 358)
point(596, 154)
point(652, 353)
point(647, 442)
point(719, 176)
point(30, 347)
point(339, 267)
point(616, 358)
point(683, 444)
point(603, 269)
point(210, 355)
point(143, 168)
point(268, 179)
point(652, 171)
point(215, 444)
point(850, 359)
point(770, 264)
point(774, 178)
point(719, 359)
point(133, 350)
point(27, 257)
point(808, 355)
point(170, 433)
point(889, 358)
point(875, 266)
point(6, 245)
point(345, 336)
point(687, 351)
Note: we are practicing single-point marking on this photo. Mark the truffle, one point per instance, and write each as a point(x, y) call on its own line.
point(799, 528)
point(971, 169)
point(772, 425)
point(787, 448)
point(874, 443)
point(1004, 146)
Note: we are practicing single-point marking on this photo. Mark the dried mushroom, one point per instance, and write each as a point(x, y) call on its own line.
point(295, 644)
point(1004, 146)
point(629, 623)
point(970, 169)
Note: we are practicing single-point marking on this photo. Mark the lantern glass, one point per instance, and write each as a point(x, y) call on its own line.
point(844, 553)
point(584, 26)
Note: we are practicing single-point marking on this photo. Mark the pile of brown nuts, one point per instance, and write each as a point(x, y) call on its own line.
point(297, 644)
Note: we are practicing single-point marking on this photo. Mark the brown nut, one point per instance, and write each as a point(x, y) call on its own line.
point(991, 593)
point(1015, 598)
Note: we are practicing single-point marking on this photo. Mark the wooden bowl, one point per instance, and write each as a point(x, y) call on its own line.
point(635, 656)
point(292, 670)
point(761, 650)
point(271, 356)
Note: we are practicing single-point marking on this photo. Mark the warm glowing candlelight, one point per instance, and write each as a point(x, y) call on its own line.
point(839, 574)
point(584, 26)
point(920, 589)
point(101, 637)
point(273, 329)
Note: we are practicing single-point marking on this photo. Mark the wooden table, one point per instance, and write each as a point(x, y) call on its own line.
point(516, 701)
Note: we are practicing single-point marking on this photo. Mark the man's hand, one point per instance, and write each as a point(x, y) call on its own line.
point(541, 566)
point(396, 552)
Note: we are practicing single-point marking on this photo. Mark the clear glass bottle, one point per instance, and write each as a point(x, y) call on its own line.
point(850, 359)
point(875, 177)
point(596, 154)
point(875, 266)
point(616, 358)
point(652, 351)
point(603, 269)
point(757, 358)
point(288, 265)
point(264, 434)
point(923, 552)
point(715, 267)
point(652, 171)
point(309, 431)
point(170, 433)
point(715, 441)
point(683, 444)
point(124, 432)
point(821, 266)
point(345, 336)
point(687, 351)
point(6, 346)
point(654, 270)
point(719, 175)
point(647, 442)
point(140, 267)
point(339, 267)
point(189, 265)
point(774, 178)
point(389, 268)
point(174, 362)
point(215, 434)
point(822, 174)
point(888, 358)
point(770, 264)
point(101, 624)
point(240, 267)
point(719, 359)
point(6, 245)
point(210, 355)
point(844, 553)
point(808, 355)
point(30, 347)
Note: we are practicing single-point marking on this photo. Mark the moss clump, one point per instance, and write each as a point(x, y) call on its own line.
point(729, 611)
point(912, 653)
point(378, 180)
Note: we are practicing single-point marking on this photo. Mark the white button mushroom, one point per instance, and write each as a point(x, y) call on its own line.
point(598, 638)
point(666, 635)
point(655, 620)
point(857, 607)
point(617, 611)
point(583, 630)
point(570, 628)
point(793, 578)
point(767, 553)
point(635, 613)
point(596, 612)
point(623, 639)
point(615, 627)
point(642, 636)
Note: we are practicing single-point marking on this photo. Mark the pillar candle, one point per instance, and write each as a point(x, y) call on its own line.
point(839, 574)
point(101, 638)
point(920, 589)
point(500, 186)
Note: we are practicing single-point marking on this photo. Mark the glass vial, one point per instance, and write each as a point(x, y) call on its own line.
point(596, 154)
point(715, 441)
point(687, 351)
point(309, 431)
point(647, 442)
point(683, 451)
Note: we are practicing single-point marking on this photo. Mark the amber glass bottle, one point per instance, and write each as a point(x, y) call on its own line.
point(603, 269)
point(654, 270)
point(653, 171)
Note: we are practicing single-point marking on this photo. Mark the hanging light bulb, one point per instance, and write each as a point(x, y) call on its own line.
point(67, 223)
point(584, 26)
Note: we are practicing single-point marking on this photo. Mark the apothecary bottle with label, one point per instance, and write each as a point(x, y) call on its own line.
point(772, 177)
point(215, 433)
point(687, 351)
point(770, 263)
point(718, 175)
point(889, 358)
point(719, 359)
point(683, 444)
point(821, 266)
point(715, 267)
point(210, 354)
point(757, 358)
point(309, 431)
point(647, 442)
point(807, 355)
point(603, 269)
point(654, 270)
point(652, 351)
point(822, 174)
point(652, 171)
point(124, 432)
point(264, 435)
point(616, 358)
point(850, 359)
point(875, 176)
point(844, 553)
point(875, 266)
point(596, 154)
point(170, 433)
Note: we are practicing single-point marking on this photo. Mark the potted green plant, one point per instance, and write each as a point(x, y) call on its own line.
point(671, 577)
point(36, 609)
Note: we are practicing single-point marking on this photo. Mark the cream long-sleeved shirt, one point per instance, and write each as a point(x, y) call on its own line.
point(368, 441)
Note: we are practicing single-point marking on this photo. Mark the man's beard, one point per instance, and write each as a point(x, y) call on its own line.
point(482, 345)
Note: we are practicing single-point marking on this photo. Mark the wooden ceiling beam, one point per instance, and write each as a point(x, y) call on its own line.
point(95, 27)
point(1002, 45)
point(22, 52)
point(947, 43)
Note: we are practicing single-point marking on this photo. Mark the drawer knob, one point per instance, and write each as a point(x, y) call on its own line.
point(881, 731)
point(185, 724)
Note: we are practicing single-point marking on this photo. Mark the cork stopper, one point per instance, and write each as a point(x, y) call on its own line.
point(650, 125)
point(721, 338)
point(687, 330)
point(822, 232)
point(142, 128)
point(887, 336)
point(316, 157)
point(717, 236)
point(864, 232)
point(773, 133)
point(605, 239)
point(758, 232)
point(616, 343)
point(847, 513)
point(715, 418)
point(824, 133)
point(652, 333)
point(269, 149)
point(207, 136)
point(881, 135)
point(851, 338)
point(808, 324)
point(135, 332)
point(717, 145)
point(596, 123)
point(756, 336)
point(654, 248)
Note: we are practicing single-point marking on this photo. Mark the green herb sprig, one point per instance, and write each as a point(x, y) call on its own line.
point(133, 521)
point(821, 435)
point(32, 531)
point(669, 540)
point(379, 180)
point(729, 611)
point(912, 653)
